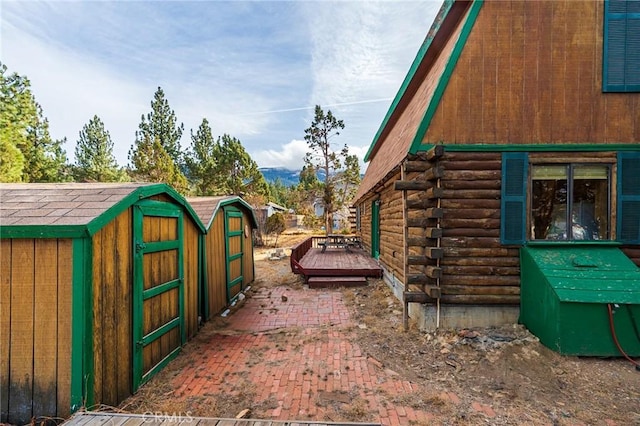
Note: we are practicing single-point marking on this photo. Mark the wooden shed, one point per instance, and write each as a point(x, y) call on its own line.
point(517, 124)
point(226, 249)
point(98, 291)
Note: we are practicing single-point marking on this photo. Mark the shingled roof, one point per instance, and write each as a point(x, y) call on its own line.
point(207, 207)
point(75, 206)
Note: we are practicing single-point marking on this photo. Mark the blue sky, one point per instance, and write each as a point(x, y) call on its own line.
point(255, 70)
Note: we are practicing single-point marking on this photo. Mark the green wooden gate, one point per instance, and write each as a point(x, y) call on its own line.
point(233, 229)
point(158, 288)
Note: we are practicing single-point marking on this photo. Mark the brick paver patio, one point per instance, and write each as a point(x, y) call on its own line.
point(295, 349)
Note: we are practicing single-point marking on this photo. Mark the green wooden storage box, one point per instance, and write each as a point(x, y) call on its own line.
point(565, 290)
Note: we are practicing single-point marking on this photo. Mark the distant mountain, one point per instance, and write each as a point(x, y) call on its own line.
point(286, 176)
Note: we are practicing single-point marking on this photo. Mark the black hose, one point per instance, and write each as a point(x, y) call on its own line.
point(615, 338)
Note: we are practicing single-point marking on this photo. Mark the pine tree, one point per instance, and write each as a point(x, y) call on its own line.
point(201, 161)
point(238, 170)
point(27, 152)
point(158, 130)
point(322, 157)
point(151, 163)
point(94, 155)
point(161, 123)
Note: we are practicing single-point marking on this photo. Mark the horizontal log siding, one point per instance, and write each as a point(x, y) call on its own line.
point(531, 72)
point(476, 268)
point(112, 310)
point(35, 328)
point(391, 231)
point(420, 234)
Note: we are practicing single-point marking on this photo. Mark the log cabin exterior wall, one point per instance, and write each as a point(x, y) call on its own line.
point(512, 76)
point(35, 328)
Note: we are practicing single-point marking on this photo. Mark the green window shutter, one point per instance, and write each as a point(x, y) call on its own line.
point(513, 197)
point(628, 186)
point(621, 54)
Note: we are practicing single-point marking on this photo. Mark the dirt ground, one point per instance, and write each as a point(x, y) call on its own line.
point(506, 368)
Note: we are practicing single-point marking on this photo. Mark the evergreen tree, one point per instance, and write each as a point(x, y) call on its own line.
point(161, 123)
point(46, 161)
point(151, 163)
point(94, 155)
point(238, 170)
point(201, 161)
point(27, 152)
point(158, 129)
point(323, 158)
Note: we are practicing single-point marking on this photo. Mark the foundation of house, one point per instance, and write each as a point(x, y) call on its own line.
point(454, 316)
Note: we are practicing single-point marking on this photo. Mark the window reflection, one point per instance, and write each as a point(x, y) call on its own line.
point(585, 217)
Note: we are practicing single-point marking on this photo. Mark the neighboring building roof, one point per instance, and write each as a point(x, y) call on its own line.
point(207, 207)
point(419, 89)
point(71, 209)
point(276, 206)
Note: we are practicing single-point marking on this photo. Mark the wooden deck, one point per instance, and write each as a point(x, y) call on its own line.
point(338, 262)
point(113, 419)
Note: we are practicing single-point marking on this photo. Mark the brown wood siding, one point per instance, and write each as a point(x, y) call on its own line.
point(216, 265)
point(531, 72)
point(35, 328)
point(112, 310)
point(191, 265)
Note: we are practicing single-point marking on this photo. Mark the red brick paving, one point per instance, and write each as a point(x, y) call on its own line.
point(300, 359)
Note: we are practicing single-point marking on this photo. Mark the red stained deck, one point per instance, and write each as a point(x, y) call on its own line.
point(310, 261)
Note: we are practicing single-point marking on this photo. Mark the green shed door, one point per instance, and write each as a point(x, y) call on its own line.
point(233, 229)
point(158, 288)
point(375, 229)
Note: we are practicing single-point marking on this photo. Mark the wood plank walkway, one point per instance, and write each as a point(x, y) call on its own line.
point(118, 419)
point(338, 262)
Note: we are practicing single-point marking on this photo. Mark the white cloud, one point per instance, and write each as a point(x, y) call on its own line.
point(250, 68)
point(289, 156)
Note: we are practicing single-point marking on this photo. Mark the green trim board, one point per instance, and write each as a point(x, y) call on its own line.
point(89, 229)
point(541, 147)
point(82, 371)
point(43, 231)
point(440, 17)
point(446, 75)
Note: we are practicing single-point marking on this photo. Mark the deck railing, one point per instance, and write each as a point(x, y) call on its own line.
point(299, 250)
